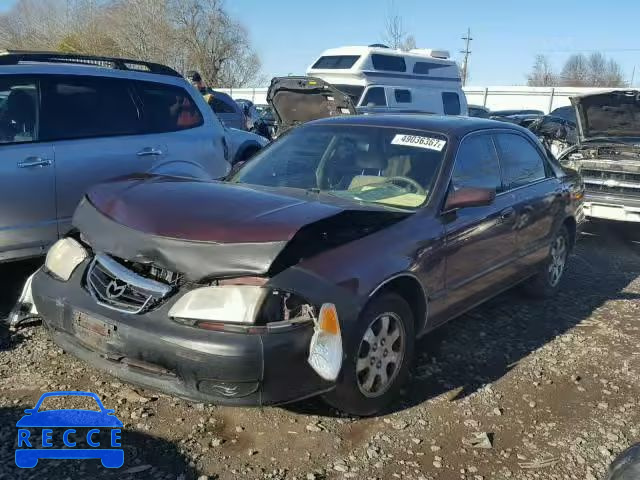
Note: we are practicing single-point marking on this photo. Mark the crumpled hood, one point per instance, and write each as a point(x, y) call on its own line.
point(298, 100)
point(206, 211)
point(608, 114)
point(207, 228)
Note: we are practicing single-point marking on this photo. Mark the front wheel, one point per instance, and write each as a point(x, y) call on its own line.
point(379, 352)
point(547, 281)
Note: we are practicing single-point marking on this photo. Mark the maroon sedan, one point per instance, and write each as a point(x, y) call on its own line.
point(315, 267)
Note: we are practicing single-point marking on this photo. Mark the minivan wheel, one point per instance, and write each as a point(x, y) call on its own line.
point(547, 281)
point(379, 352)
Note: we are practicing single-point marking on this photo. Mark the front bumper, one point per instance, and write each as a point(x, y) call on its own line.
point(611, 208)
point(152, 351)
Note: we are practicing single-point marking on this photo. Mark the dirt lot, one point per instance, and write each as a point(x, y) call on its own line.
point(555, 386)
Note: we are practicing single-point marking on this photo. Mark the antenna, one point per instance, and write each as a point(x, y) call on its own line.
point(466, 52)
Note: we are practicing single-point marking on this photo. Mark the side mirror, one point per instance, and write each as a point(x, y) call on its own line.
point(469, 197)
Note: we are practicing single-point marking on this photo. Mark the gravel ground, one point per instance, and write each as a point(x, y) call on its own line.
point(514, 389)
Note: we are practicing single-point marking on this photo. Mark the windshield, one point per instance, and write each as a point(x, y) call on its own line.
point(390, 166)
point(354, 91)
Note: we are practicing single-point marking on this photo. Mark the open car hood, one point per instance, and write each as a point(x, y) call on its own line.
point(614, 114)
point(297, 100)
point(205, 229)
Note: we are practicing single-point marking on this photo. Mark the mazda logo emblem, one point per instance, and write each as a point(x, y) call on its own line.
point(115, 290)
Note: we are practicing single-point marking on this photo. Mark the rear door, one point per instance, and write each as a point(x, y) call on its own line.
point(95, 126)
point(192, 137)
point(480, 241)
point(27, 197)
point(538, 194)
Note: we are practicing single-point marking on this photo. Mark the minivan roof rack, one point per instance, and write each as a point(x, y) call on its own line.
point(13, 57)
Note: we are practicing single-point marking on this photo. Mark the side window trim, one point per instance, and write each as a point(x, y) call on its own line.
point(46, 82)
point(137, 85)
point(35, 78)
point(490, 134)
point(545, 162)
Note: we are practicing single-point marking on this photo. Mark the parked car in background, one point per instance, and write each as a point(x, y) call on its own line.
point(296, 100)
point(255, 122)
point(70, 121)
point(509, 113)
point(479, 111)
point(267, 121)
point(227, 110)
point(325, 258)
point(607, 153)
point(555, 132)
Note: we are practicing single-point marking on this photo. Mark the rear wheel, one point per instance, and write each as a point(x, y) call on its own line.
point(379, 353)
point(547, 281)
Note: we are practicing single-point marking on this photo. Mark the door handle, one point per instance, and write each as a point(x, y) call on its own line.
point(147, 151)
point(507, 214)
point(34, 162)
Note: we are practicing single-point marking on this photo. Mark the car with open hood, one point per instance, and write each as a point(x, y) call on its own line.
point(314, 269)
point(296, 100)
point(607, 153)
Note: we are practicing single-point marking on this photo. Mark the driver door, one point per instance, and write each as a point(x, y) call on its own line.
point(480, 242)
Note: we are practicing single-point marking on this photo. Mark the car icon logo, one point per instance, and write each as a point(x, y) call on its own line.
point(69, 425)
point(115, 290)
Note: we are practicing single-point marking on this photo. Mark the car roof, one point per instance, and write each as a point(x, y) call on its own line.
point(450, 125)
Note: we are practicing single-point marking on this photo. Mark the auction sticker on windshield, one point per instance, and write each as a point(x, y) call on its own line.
point(429, 143)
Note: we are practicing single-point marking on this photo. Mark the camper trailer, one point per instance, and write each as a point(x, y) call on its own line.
point(378, 78)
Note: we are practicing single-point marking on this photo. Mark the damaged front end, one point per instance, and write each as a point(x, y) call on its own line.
point(213, 317)
point(611, 175)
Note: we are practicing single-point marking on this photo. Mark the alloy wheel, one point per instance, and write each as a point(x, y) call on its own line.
point(558, 259)
point(380, 354)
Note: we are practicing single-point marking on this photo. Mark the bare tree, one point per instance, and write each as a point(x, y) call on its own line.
point(395, 36)
point(542, 74)
point(593, 71)
point(185, 34)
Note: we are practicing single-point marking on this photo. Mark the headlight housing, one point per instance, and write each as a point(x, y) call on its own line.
point(224, 303)
point(64, 257)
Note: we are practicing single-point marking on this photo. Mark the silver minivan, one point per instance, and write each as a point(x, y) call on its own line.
point(68, 122)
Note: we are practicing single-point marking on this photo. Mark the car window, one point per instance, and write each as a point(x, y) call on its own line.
point(79, 107)
point(365, 164)
point(167, 108)
point(336, 61)
point(477, 164)
point(389, 63)
point(403, 96)
point(521, 163)
point(375, 97)
point(18, 110)
point(220, 104)
point(451, 103)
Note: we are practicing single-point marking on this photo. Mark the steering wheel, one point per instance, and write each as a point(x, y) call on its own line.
point(409, 181)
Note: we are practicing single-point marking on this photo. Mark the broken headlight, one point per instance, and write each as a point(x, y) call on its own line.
point(64, 257)
point(224, 303)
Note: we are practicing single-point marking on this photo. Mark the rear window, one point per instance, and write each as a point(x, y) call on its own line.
point(168, 108)
point(390, 63)
point(403, 96)
point(451, 103)
point(220, 104)
point(336, 61)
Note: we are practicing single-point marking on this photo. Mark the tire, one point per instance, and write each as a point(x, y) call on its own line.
point(547, 281)
point(361, 389)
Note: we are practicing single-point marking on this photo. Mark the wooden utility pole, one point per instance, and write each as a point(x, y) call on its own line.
point(466, 52)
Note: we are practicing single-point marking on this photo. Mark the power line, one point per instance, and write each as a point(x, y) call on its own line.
point(466, 52)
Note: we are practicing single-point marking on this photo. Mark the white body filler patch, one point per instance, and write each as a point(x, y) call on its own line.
point(429, 143)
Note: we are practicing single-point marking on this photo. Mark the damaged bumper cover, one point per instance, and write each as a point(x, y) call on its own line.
point(152, 350)
point(607, 207)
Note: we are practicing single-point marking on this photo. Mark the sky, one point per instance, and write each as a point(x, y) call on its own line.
point(507, 34)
